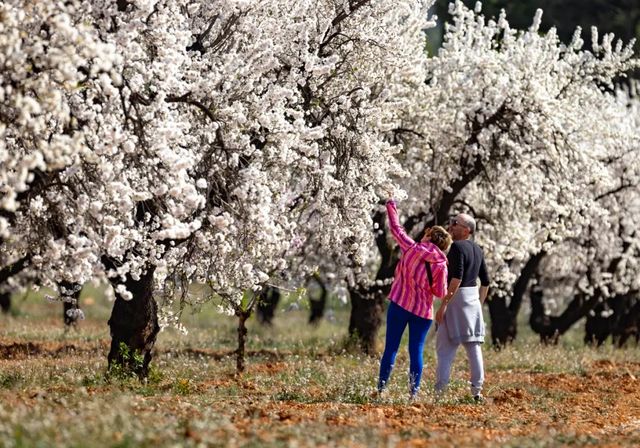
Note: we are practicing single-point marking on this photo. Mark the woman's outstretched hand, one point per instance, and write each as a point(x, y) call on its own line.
point(387, 191)
point(392, 193)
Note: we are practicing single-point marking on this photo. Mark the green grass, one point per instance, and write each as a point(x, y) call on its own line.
point(302, 386)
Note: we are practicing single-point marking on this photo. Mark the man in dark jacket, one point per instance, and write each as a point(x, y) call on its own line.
point(460, 315)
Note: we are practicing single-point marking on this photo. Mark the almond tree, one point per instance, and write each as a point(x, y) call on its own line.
point(499, 129)
point(46, 56)
point(212, 142)
point(305, 151)
point(594, 273)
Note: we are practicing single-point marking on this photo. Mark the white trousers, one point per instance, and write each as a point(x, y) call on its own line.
point(446, 352)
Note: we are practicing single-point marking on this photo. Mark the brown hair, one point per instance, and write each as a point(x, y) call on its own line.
point(440, 237)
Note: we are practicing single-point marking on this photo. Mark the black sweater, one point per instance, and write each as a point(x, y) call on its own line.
point(466, 262)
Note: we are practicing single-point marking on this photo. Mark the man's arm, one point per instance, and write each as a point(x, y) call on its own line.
point(484, 281)
point(452, 290)
point(484, 290)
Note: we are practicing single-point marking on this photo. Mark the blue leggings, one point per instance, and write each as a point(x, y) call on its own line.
point(397, 320)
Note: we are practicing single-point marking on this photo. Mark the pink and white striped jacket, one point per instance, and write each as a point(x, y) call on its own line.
point(410, 289)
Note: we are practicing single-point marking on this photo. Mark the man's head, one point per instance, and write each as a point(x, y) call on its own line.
point(462, 226)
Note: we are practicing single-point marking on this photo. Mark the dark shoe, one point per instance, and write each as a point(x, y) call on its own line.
point(478, 398)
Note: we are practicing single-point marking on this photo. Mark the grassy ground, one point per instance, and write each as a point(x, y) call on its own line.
point(301, 388)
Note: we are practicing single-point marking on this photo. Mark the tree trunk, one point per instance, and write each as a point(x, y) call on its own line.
point(603, 313)
point(134, 326)
point(599, 324)
point(550, 328)
point(5, 273)
point(317, 304)
point(503, 322)
point(578, 308)
point(5, 302)
point(69, 316)
point(626, 322)
point(618, 317)
point(242, 338)
point(539, 320)
point(367, 303)
point(267, 304)
point(367, 308)
point(504, 318)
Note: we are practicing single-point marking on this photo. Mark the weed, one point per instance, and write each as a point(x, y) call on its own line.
point(92, 380)
point(357, 397)
point(183, 386)
point(541, 368)
point(351, 343)
point(126, 442)
point(288, 395)
point(9, 380)
point(146, 390)
point(130, 362)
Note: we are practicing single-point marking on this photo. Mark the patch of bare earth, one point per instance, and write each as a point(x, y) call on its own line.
point(601, 407)
point(20, 350)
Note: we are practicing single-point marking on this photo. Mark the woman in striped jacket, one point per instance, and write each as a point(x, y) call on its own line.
point(420, 275)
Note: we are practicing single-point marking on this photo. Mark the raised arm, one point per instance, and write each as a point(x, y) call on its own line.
point(398, 232)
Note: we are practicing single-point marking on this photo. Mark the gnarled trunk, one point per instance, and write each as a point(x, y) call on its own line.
point(599, 324)
point(539, 320)
point(625, 317)
point(134, 326)
point(267, 304)
point(367, 303)
point(503, 322)
point(550, 328)
point(5, 302)
point(318, 303)
point(367, 308)
point(504, 317)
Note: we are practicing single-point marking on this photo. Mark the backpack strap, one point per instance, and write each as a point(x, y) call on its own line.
point(429, 273)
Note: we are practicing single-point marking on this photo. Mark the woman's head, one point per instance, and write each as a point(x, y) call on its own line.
point(438, 236)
